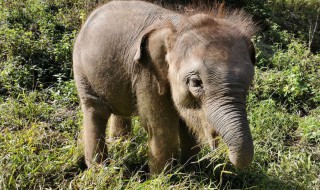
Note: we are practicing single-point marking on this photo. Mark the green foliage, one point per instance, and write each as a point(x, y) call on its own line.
point(36, 39)
point(300, 17)
point(291, 77)
point(287, 145)
point(280, 19)
point(51, 106)
point(40, 116)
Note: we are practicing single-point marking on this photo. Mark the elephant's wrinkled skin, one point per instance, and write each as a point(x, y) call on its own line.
point(176, 72)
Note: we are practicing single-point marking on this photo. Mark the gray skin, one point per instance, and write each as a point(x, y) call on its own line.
point(184, 76)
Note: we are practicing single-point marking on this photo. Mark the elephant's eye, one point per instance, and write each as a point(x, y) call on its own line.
point(194, 82)
point(196, 91)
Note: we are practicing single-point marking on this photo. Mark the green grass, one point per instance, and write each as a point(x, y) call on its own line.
point(41, 148)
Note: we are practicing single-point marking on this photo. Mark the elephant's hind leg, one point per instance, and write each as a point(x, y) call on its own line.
point(119, 126)
point(94, 133)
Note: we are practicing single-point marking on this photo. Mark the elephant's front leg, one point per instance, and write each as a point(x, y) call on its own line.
point(160, 119)
point(188, 144)
point(163, 145)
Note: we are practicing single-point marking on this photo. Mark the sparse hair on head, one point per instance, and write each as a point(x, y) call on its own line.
point(238, 18)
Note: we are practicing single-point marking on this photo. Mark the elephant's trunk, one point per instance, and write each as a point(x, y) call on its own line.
point(230, 121)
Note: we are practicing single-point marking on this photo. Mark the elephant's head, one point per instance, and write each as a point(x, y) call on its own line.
point(208, 66)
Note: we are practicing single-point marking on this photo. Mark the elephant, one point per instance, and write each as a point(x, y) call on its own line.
point(186, 76)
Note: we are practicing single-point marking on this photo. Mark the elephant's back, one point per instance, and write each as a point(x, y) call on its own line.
point(112, 30)
point(109, 38)
point(103, 50)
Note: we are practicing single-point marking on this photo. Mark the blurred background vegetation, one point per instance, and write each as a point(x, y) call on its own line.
point(40, 118)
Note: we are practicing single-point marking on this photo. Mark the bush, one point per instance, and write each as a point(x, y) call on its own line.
point(36, 39)
point(291, 78)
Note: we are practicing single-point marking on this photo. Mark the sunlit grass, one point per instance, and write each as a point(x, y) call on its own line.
point(41, 147)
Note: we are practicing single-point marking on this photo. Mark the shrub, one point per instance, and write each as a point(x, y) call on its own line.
point(291, 78)
point(36, 39)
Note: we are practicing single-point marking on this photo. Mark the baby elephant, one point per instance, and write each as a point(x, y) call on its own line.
point(184, 75)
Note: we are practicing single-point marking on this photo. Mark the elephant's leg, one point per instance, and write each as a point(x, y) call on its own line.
point(119, 126)
point(161, 121)
point(94, 134)
point(163, 145)
point(188, 143)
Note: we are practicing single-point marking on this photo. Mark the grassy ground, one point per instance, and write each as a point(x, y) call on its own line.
point(40, 148)
point(40, 122)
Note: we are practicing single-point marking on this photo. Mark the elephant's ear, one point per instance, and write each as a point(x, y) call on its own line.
point(252, 52)
point(151, 52)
